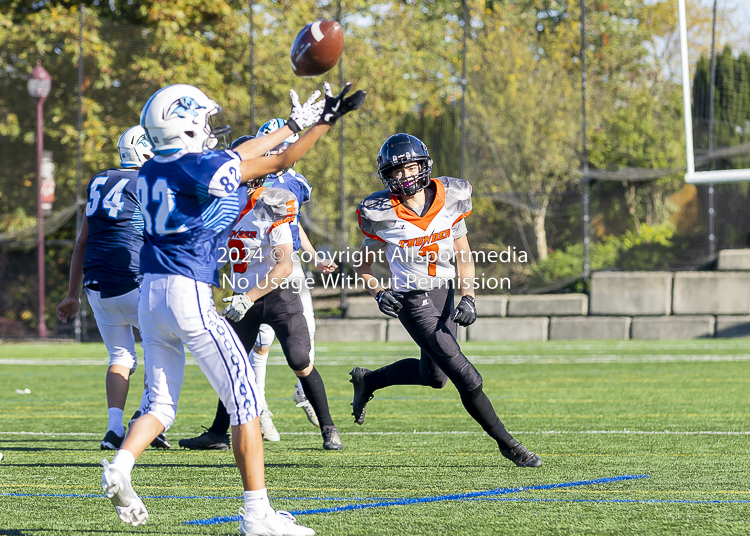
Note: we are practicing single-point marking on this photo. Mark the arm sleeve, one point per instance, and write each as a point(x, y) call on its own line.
point(459, 229)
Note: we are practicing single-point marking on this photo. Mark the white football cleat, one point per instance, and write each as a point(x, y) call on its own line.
point(302, 402)
point(118, 489)
point(276, 523)
point(267, 429)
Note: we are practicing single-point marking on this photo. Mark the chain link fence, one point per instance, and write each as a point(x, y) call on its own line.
point(511, 125)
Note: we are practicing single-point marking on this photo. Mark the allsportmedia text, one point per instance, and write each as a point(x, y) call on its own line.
point(356, 258)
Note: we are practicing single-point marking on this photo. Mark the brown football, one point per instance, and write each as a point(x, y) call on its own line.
point(317, 48)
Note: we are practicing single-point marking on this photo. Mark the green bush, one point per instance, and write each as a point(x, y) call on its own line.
point(649, 248)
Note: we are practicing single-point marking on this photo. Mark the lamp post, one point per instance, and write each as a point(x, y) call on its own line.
point(39, 85)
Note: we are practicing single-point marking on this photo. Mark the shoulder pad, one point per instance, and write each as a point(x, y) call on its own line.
point(274, 204)
point(376, 213)
point(457, 195)
point(300, 178)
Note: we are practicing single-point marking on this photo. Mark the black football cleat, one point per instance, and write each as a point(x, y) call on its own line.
point(208, 440)
point(520, 455)
point(161, 442)
point(331, 438)
point(361, 396)
point(111, 441)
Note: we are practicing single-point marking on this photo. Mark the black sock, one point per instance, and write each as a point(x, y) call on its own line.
point(315, 392)
point(404, 372)
point(221, 421)
point(480, 408)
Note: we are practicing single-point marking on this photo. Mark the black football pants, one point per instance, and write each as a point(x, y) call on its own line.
point(426, 316)
point(282, 310)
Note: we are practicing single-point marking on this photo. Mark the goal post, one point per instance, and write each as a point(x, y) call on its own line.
point(693, 176)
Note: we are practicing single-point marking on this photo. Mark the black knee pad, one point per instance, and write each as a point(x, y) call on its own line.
point(463, 374)
point(472, 394)
point(297, 362)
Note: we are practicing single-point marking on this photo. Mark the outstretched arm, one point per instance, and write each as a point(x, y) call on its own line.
point(263, 165)
point(261, 145)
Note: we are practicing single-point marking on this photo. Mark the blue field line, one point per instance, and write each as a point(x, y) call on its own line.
point(420, 500)
point(616, 501)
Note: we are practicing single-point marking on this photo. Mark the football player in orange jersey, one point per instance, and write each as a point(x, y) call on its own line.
point(419, 221)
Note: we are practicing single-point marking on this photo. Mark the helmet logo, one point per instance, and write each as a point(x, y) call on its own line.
point(143, 141)
point(184, 107)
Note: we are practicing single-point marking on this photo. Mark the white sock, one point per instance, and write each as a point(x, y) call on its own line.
point(257, 503)
point(258, 363)
point(124, 461)
point(115, 421)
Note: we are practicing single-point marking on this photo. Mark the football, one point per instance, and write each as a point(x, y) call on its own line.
point(317, 48)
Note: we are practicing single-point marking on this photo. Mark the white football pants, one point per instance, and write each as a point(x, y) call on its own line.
point(116, 317)
point(174, 310)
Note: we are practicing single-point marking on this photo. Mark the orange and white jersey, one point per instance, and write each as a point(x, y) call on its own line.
point(263, 224)
point(419, 249)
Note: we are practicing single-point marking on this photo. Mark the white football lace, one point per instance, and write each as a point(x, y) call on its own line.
point(286, 515)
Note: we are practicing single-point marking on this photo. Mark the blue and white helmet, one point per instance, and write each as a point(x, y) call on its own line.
point(178, 117)
point(134, 148)
point(272, 126)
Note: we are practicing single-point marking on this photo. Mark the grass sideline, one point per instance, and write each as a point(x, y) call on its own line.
point(676, 411)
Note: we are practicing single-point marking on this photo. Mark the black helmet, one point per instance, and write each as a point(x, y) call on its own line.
point(402, 149)
point(242, 139)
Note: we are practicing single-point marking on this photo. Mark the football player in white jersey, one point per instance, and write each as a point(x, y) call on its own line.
point(106, 260)
point(260, 248)
point(190, 195)
point(216, 437)
point(419, 222)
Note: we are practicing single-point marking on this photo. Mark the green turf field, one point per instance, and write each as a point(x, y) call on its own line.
point(676, 414)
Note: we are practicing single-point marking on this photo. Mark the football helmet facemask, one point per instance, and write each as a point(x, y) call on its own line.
point(397, 151)
point(134, 148)
point(180, 117)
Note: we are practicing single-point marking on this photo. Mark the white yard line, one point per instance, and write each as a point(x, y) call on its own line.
point(519, 359)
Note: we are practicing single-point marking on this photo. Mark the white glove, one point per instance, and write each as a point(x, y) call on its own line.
point(239, 304)
point(305, 115)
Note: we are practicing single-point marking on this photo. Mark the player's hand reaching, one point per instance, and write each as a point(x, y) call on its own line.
point(67, 308)
point(326, 266)
point(305, 115)
point(465, 313)
point(239, 304)
point(336, 107)
point(388, 302)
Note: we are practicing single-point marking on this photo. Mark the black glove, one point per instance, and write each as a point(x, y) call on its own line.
point(465, 313)
point(388, 302)
point(336, 107)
